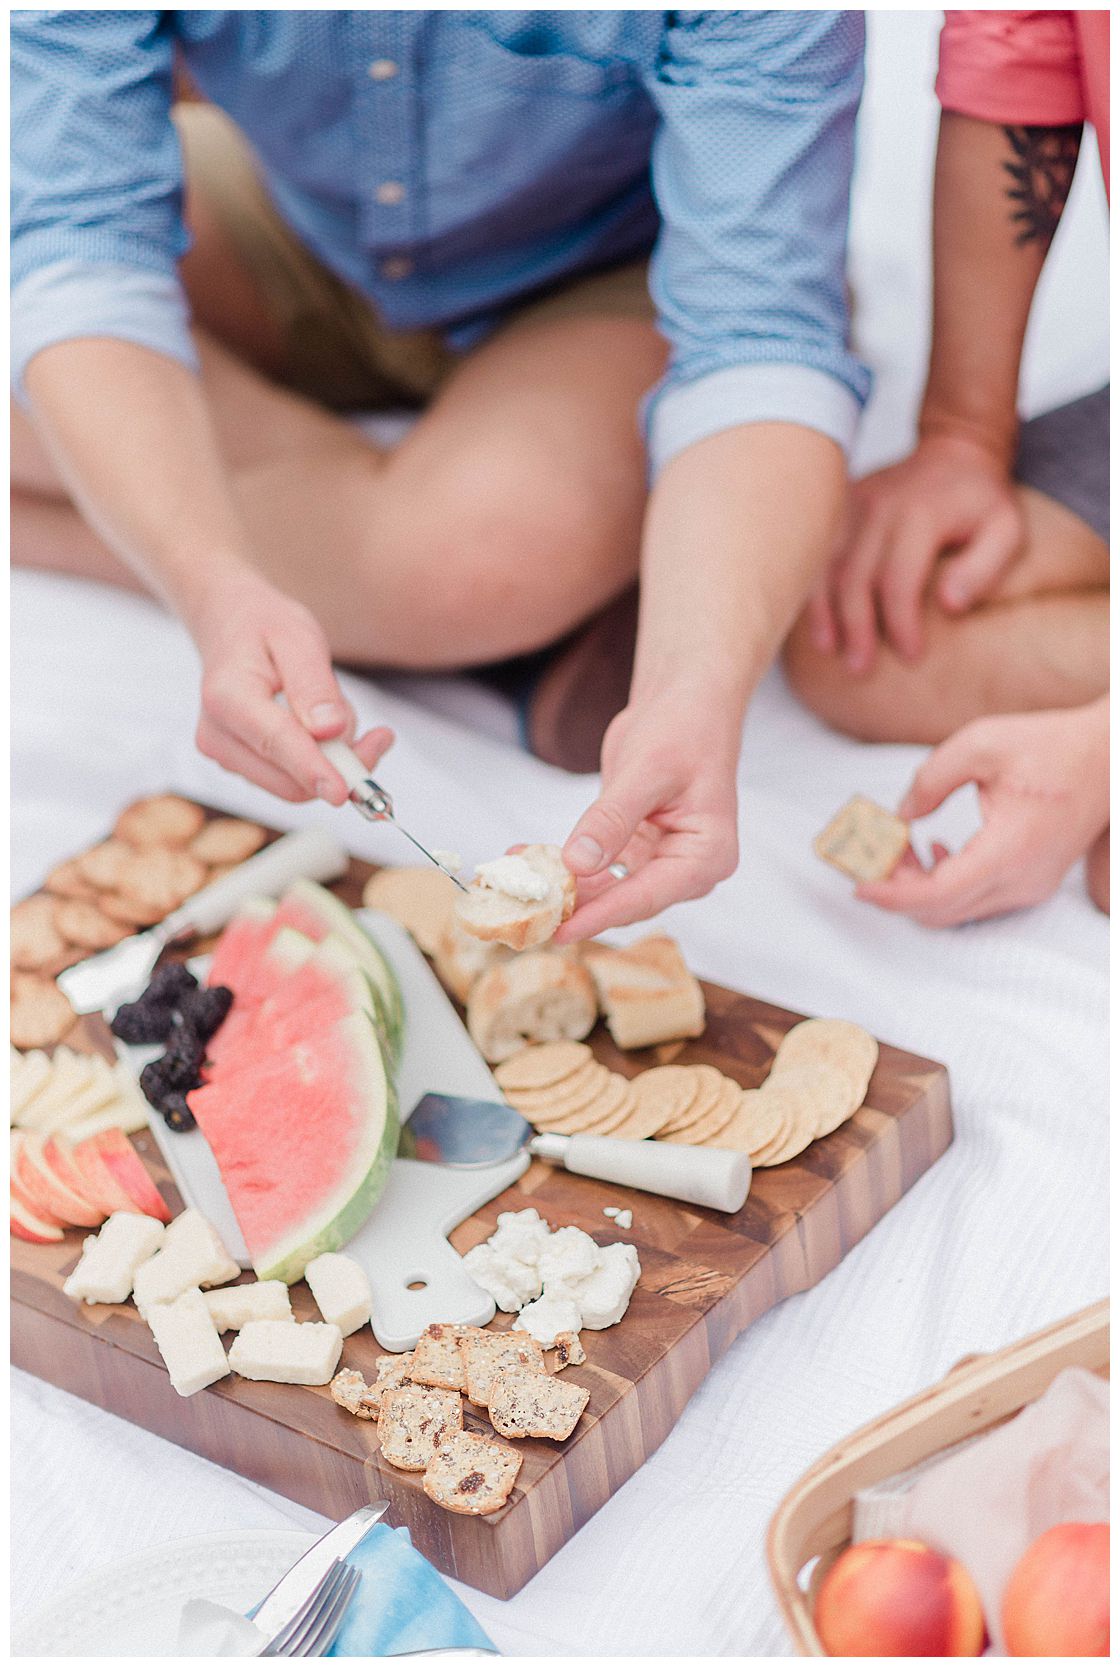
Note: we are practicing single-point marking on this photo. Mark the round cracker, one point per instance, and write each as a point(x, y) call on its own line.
point(709, 1086)
point(811, 1094)
point(162, 879)
point(753, 1123)
point(554, 1116)
point(664, 1094)
point(717, 1117)
point(605, 1109)
point(40, 1013)
point(227, 839)
point(421, 899)
point(836, 1042)
point(163, 819)
point(35, 938)
point(106, 865)
point(128, 910)
point(542, 1065)
point(620, 1115)
point(67, 880)
point(84, 924)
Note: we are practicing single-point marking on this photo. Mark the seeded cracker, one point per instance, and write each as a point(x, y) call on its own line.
point(351, 1391)
point(412, 1422)
point(863, 840)
point(436, 1359)
point(526, 1404)
point(489, 1352)
point(470, 1475)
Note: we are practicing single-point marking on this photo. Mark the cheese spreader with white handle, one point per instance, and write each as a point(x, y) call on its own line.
point(119, 974)
point(372, 801)
point(473, 1134)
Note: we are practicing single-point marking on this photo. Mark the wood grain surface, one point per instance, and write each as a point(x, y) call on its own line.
point(705, 1278)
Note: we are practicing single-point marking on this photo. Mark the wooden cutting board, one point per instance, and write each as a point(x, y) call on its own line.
point(705, 1278)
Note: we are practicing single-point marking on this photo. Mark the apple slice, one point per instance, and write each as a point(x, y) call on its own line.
point(49, 1192)
point(125, 1165)
point(60, 1160)
point(98, 1180)
point(22, 1196)
point(27, 1225)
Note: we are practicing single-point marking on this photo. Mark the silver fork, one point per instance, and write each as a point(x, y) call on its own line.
point(315, 1625)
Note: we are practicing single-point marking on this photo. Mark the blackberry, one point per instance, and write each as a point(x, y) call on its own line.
point(204, 1010)
point(169, 984)
point(177, 1114)
point(142, 1021)
point(155, 1083)
point(181, 1062)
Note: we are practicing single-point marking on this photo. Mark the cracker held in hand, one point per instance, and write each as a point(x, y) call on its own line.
point(545, 996)
point(470, 1475)
point(863, 840)
point(421, 899)
point(518, 900)
point(526, 1404)
point(411, 1424)
point(646, 992)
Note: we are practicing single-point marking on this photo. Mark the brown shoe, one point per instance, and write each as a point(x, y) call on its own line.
point(583, 687)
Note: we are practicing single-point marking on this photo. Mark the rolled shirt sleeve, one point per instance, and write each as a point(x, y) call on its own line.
point(752, 171)
point(1015, 67)
point(97, 177)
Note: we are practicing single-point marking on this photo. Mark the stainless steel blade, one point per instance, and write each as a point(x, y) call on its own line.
point(463, 1133)
point(292, 1588)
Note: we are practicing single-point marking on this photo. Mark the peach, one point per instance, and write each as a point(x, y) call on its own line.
point(1056, 1602)
point(898, 1597)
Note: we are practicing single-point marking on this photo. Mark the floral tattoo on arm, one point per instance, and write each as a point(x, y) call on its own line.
point(1041, 172)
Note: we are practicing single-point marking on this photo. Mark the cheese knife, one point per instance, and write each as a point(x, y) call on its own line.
point(119, 974)
point(372, 801)
point(473, 1134)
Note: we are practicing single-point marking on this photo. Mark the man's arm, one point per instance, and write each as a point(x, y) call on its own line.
point(751, 171)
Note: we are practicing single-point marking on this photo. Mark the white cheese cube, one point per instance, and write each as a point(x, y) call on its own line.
point(235, 1305)
point(186, 1338)
point(341, 1290)
point(511, 1283)
point(111, 1257)
point(547, 1318)
point(191, 1254)
point(280, 1352)
point(604, 1296)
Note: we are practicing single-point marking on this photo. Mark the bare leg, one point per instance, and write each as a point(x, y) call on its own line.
point(1042, 642)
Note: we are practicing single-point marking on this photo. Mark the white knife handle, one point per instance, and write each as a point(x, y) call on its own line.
point(705, 1175)
point(309, 853)
point(346, 762)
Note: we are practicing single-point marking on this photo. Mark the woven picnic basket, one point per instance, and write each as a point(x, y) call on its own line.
point(812, 1525)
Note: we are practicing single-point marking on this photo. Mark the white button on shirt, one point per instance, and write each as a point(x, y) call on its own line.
point(390, 191)
point(383, 69)
point(396, 267)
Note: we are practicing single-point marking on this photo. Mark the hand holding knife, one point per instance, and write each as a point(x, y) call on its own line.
point(371, 800)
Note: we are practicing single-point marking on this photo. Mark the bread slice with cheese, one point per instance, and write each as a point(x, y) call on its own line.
point(545, 996)
point(645, 991)
point(518, 900)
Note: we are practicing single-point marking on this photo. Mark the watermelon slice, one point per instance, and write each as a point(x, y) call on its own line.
point(258, 969)
point(124, 1164)
point(304, 1140)
point(323, 990)
point(240, 951)
point(316, 912)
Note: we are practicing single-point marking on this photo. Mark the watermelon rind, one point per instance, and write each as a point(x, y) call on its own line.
point(336, 917)
point(336, 1218)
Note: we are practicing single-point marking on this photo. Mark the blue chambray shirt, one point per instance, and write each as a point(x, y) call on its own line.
point(532, 147)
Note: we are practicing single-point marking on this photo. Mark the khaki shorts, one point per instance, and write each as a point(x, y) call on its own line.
point(339, 351)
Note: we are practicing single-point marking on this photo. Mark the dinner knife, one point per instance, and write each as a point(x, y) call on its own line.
point(301, 1579)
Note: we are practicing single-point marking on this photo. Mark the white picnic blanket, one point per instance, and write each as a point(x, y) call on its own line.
point(1006, 1234)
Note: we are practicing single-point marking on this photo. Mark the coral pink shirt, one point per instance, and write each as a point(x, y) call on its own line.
point(1031, 69)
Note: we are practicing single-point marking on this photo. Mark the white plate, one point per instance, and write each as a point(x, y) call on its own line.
point(132, 1608)
point(415, 1276)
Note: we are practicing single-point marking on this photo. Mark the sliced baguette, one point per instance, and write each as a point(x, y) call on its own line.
point(460, 960)
point(545, 996)
point(645, 991)
point(497, 918)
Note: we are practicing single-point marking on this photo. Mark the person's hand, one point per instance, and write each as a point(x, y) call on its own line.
point(667, 809)
point(255, 644)
point(949, 506)
point(1043, 785)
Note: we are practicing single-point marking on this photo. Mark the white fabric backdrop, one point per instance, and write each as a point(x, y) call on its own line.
point(1007, 1233)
